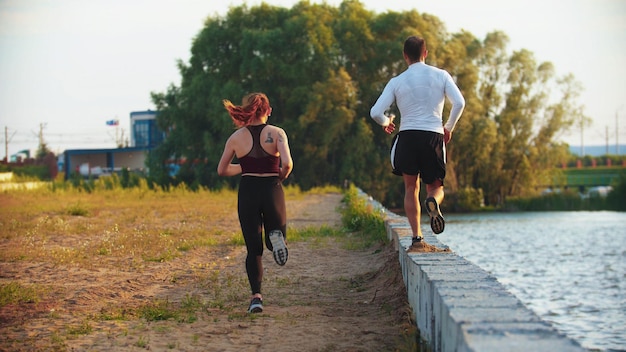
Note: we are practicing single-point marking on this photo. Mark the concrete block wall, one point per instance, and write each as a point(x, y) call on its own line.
point(460, 307)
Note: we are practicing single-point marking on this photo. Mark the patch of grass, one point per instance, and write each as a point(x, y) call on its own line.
point(324, 190)
point(77, 209)
point(159, 310)
point(189, 306)
point(160, 257)
point(236, 239)
point(14, 292)
point(185, 245)
point(296, 191)
point(224, 291)
point(57, 341)
point(244, 316)
point(183, 312)
point(364, 224)
point(191, 303)
point(84, 328)
point(114, 312)
point(142, 342)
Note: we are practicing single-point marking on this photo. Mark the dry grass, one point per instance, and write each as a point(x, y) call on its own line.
point(132, 269)
point(74, 227)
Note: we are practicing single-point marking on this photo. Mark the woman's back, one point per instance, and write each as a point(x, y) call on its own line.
point(259, 149)
point(267, 141)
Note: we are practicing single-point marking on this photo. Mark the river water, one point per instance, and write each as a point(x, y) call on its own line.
point(567, 267)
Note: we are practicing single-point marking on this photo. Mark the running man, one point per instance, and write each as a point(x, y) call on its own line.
point(419, 147)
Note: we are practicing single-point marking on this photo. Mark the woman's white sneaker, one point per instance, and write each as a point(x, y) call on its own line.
point(279, 247)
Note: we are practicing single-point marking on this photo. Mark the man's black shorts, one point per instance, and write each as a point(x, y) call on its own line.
point(422, 153)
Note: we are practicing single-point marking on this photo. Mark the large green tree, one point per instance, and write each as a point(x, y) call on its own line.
point(506, 142)
point(323, 67)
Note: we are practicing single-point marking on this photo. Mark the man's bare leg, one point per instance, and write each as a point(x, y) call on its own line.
point(412, 207)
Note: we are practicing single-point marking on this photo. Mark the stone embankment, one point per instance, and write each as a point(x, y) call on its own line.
point(460, 307)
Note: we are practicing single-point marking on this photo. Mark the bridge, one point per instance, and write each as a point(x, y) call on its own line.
point(585, 177)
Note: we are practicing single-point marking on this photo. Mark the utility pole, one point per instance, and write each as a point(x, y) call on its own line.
point(6, 142)
point(606, 140)
point(41, 126)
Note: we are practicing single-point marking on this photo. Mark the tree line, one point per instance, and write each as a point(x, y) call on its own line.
point(324, 66)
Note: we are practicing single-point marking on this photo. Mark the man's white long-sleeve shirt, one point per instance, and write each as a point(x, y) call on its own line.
point(419, 93)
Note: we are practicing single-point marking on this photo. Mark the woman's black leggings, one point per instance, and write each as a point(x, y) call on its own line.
point(261, 204)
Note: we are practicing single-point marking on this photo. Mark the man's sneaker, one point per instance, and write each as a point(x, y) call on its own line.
point(256, 305)
point(416, 239)
point(437, 223)
point(279, 247)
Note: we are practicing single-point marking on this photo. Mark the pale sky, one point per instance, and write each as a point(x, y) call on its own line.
point(71, 65)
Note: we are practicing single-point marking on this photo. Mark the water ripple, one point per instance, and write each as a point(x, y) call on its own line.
point(568, 267)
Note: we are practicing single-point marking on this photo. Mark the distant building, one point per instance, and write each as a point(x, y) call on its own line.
point(144, 129)
point(144, 136)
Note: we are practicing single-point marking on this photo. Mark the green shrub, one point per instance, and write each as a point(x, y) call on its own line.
point(616, 199)
point(359, 216)
point(31, 172)
point(556, 201)
point(77, 210)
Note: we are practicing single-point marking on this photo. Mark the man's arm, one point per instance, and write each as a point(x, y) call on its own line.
point(453, 93)
point(377, 112)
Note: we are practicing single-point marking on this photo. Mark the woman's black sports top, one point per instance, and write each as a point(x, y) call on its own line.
point(258, 161)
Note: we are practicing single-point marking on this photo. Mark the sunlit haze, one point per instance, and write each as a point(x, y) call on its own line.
point(68, 66)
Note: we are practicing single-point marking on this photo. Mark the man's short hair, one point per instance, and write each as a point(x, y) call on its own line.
point(414, 47)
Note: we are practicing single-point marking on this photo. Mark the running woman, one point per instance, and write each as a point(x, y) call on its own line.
point(264, 162)
point(419, 148)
